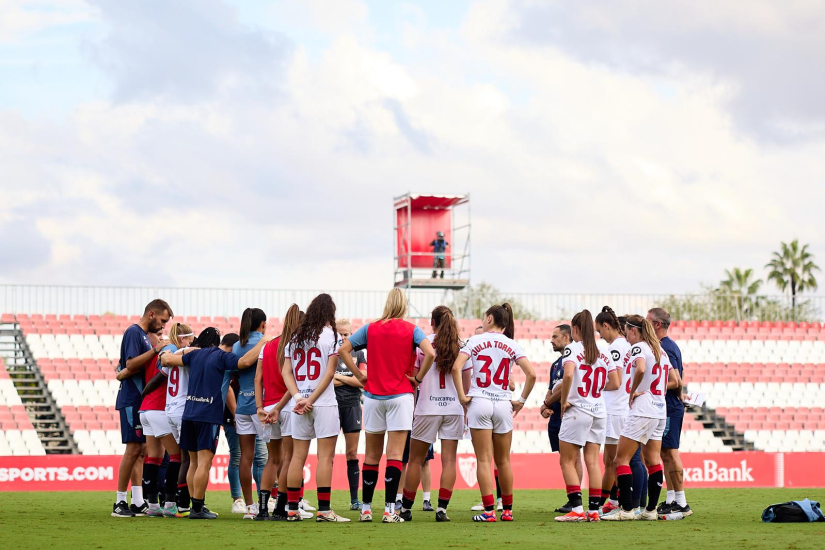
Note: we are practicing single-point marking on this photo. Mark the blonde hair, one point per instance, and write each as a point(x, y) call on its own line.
point(175, 332)
point(343, 323)
point(647, 333)
point(396, 306)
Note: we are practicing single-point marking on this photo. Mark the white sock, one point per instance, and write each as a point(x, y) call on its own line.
point(671, 496)
point(578, 509)
point(389, 508)
point(154, 506)
point(426, 495)
point(680, 499)
point(440, 509)
point(121, 496)
point(398, 497)
point(366, 508)
point(613, 502)
point(137, 496)
point(168, 504)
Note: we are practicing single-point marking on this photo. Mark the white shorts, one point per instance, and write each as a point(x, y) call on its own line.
point(174, 423)
point(318, 423)
point(644, 429)
point(272, 431)
point(155, 423)
point(285, 421)
point(248, 424)
point(427, 428)
point(388, 415)
point(614, 428)
point(578, 428)
point(486, 414)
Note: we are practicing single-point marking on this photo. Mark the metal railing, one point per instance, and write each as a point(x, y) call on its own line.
point(229, 302)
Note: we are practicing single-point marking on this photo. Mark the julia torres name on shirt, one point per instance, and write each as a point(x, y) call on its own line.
point(487, 344)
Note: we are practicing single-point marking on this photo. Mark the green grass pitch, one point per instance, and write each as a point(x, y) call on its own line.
point(723, 518)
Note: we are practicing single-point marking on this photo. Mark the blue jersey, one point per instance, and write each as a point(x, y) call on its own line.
point(135, 343)
point(206, 371)
point(675, 407)
point(556, 376)
point(246, 378)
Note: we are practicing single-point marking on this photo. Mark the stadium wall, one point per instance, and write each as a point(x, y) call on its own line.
point(534, 471)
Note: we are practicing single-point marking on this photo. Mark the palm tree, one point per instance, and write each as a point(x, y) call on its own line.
point(740, 286)
point(793, 267)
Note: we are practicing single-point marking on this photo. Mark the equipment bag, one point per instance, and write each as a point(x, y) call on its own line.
point(794, 511)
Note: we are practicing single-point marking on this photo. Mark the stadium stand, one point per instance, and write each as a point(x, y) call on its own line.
point(17, 434)
point(763, 382)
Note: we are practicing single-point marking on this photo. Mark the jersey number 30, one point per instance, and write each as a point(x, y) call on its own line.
point(593, 380)
point(311, 358)
point(501, 378)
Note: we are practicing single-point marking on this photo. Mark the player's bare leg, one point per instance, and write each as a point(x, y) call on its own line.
point(396, 441)
point(247, 444)
point(594, 473)
point(449, 449)
point(268, 477)
point(501, 454)
point(300, 450)
point(283, 473)
point(326, 453)
point(609, 477)
point(569, 458)
point(202, 462)
point(483, 447)
point(418, 451)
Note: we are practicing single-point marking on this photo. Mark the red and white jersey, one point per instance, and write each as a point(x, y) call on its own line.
point(177, 387)
point(436, 393)
point(491, 357)
point(309, 364)
point(654, 384)
point(588, 380)
point(616, 400)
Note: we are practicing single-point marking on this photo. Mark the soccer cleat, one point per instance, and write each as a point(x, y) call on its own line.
point(171, 512)
point(183, 512)
point(251, 511)
point(303, 504)
point(263, 515)
point(572, 516)
point(238, 506)
point(203, 514)
point(478, 507)
point(294, 516)
point(441, 516)
point(406, 515)
point(331, 517)
point(121, 510)
point(139, 510)
point(672, 516)
point(592, 515)
point(507, 515)
point(566, 509)
point(664, 507)
point(365, 517)
point(649, 515)
point(355, 504)
point(156, 513)
point(486, 517)
point(277, 517)
point(391, 518)
point(304, 514)
point(428, 507)
point(612, 515)
point(608, 508)
point(684, 510)
point(499, 505)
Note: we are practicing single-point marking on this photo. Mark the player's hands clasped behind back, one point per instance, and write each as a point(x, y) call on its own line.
point(302, 405)
point(517, 406)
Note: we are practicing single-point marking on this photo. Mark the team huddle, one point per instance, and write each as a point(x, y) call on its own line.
point(308, 384)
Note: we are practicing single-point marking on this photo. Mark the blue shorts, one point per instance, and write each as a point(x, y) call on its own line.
point(130, 429)
point(199, 436)
point(430, 454)
point(553, 429)
point(673, 432)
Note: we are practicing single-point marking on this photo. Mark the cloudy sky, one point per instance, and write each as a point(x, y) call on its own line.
point(615, 146)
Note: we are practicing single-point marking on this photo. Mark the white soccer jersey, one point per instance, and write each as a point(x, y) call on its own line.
point(436, 393)
point(491, 355)
point(588, 380)
point(177, 387)
point(616, 400)
point(654, 384)
point(309, 364)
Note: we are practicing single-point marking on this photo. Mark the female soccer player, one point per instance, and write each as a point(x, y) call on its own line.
point(269, 391)
point(645, 424)
point(491, 408)
point(438, 414)
point(203, 413)
point(388, 394)
point(610, 329)
point(247, 424)
point(586, 375)
point(309, 366)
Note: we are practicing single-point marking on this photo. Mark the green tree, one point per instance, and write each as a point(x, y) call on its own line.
point(792, 268)
point(475, 300)
point(740, 289)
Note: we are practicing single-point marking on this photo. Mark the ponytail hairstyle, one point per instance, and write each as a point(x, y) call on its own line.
point(608, 317)
point(584, 322)
point(250, 320)
point(647, 332)
point(292, 320)
point(178, 330)
point(208, 338)
point(320, 313)
point(503, 318)
point(396, 306)
point(447, 342)
point(623, 322)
